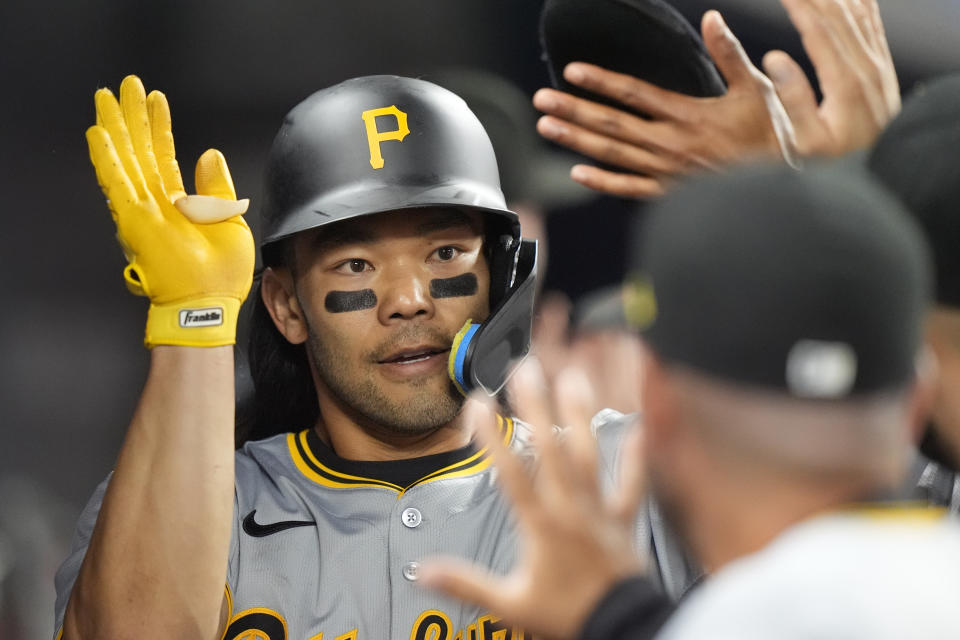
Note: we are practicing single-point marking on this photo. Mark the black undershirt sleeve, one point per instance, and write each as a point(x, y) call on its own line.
point(634, 609)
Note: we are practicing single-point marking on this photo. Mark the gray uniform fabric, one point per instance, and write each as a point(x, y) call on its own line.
point(936, 485)
point(350, 573)
point(671, 565)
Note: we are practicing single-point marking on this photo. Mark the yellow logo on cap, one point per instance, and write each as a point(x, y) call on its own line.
point(375, 137)
point(639, 301)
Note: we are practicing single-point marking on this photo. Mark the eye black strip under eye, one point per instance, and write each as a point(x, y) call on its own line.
point(458, 286)
point(344, 301)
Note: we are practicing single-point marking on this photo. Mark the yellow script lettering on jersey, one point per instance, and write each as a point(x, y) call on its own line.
point(265, 624)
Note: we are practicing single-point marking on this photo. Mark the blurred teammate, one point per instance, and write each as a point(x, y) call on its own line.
point(916, 157)
point(780, 396)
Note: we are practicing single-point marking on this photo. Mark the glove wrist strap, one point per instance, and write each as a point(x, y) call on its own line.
point(197, 322)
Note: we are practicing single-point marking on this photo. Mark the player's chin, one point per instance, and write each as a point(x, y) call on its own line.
point(422, 408)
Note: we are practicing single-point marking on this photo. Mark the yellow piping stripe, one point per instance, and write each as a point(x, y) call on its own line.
point(328, 482)
point(229, 596)
point(482, 452)
point(476, 468)
point(306, 449)
point(455, 470)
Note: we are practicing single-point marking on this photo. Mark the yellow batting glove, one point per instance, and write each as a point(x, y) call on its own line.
point(193, 256)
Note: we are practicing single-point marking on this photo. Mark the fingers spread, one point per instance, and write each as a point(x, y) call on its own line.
point(213, 177)
point(852, 32)
point(158, 111)
point(597, 118)
point(862, 14)
point(463, 581)
point(529, 393)
point(111, 175)
point(633, 92)
point(110, 118)
point(798, 99)
point(552, 323)
point(823, 49)
point(624, 185)
point(574, 397)
point(726, 51)
point(133, 104)
point(481, 418)
point(881, 35)
point(606, 149)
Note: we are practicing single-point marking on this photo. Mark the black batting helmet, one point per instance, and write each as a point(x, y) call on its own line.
point(384, 143)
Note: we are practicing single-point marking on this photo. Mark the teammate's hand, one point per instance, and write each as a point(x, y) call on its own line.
point(847, 45)
point(610, 358)
point(684, 133)
point(196, 274)
point(845, 41)
point(576, 543)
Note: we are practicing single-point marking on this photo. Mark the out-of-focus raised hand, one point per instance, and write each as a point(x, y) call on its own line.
point(774, 117)
point(847, 45)
point(576, 543)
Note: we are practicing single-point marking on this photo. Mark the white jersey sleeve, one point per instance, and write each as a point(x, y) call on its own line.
point(838, 576)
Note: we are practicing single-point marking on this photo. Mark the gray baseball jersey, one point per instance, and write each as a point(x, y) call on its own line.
point(327, 548)
point(670, 563)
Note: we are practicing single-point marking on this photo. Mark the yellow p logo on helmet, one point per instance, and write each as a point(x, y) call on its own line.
point(375, 137)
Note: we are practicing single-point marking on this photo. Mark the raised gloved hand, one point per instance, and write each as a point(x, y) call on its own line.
point(193, 256)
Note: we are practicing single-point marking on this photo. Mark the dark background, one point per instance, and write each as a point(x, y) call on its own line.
point(70, 334)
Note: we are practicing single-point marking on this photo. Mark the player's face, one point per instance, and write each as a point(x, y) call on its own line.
point(383, 297)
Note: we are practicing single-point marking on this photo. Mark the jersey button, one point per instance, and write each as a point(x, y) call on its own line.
point(411, 518)
point(410, 571)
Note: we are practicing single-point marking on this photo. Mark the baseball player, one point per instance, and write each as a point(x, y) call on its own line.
point(780, 395)
point(915, 158)
point(395, 281)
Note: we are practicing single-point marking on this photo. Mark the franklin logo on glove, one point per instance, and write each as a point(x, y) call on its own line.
point(210, 317)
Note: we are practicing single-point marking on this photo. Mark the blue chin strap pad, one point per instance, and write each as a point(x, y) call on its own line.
point(483, 356)
point(458, 355)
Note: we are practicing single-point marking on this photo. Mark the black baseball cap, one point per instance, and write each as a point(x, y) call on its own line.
point(815, 284)
point(531, 170)
point(918, 158)
point(647, 39)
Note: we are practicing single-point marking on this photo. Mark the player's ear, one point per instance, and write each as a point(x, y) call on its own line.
point(280, 298)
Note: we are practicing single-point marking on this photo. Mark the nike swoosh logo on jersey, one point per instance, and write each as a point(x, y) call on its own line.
point(257, 530)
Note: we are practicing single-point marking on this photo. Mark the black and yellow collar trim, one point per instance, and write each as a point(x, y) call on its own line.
point(307, 456)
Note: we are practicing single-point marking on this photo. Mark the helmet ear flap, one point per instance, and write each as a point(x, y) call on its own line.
point(484, 355)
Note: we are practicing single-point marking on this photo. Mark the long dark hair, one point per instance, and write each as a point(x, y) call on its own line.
point(284, 398)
